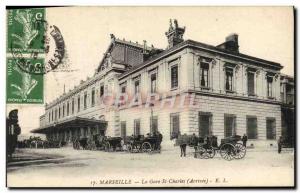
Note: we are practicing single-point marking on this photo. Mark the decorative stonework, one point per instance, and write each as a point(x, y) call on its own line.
point(237, 68)
point(257, 73)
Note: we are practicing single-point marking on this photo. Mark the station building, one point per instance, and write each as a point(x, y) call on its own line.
point(193, 87)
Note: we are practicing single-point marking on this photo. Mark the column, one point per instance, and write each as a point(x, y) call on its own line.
point(70, 135)
point(66, 135)
point(97, 129)
point(88, 131)
point(81, 132)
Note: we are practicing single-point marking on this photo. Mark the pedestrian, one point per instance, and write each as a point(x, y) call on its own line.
point(183, 141)
point(159, 140)
point(245, 139)
point(279, 144)
point(194, 141)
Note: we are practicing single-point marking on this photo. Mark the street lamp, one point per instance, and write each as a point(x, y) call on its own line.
point(151, 121)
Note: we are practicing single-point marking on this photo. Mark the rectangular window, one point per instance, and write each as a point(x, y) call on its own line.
point(153, 83)
point(251, 83)
point(123, 129)
point(85, 100)
point(136, 86)
point(49, 116)
point(78, 104)
point(229, 125)
point(68, 108)
point(204, 73)
point(271, 128)
point(229, 79)
point(73, 105)
point(63, 114)
point(93, 97)
point(136, 89)
point(175, 125)
point(55, 114)
point(270, 86)
point(101, 90)
point(205, 124)
point(137, 127)
point(122, 91)
point(174, 77)
point(252, 127)
point(153, 124)
point(59, 114)
point(52, 116)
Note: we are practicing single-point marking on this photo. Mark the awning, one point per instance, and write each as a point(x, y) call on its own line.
point(70, 123)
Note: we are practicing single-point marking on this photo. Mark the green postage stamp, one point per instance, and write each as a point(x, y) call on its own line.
point(26, 29)
point(24, 87)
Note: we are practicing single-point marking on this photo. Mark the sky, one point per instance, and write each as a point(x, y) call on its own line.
point(264, 32)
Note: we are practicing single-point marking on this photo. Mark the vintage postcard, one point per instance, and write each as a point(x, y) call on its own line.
point(150, 97)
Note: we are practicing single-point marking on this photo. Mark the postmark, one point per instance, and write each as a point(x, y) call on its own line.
point(56, 51)
point(30, 36)
point(24, 87)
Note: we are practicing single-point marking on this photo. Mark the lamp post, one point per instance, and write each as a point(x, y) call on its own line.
point(151, 121)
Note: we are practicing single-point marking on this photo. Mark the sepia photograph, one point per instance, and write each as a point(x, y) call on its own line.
point(150, 97)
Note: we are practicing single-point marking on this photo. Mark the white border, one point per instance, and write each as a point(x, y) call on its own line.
point(107, 3)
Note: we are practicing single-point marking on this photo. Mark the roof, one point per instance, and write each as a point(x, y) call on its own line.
point(135, 44)
point(73, 122)
point(125, 42)
point(207, 47)
point(286, 76)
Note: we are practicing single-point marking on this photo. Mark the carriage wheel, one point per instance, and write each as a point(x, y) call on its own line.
point(211, 152)
point(227, 151)
point(138, 147)
point(146, 147)
point(107, 147)
point(201, 153)
point(198, 152)
point(240, 151)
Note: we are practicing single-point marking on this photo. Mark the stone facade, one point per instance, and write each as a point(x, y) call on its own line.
point(215, 76)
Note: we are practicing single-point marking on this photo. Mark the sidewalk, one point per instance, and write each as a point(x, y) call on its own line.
point(23, 157)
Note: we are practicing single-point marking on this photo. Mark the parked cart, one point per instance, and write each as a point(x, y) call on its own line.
point(113, 143)
point(138, 144)
point(100, 142)
point(229, 149)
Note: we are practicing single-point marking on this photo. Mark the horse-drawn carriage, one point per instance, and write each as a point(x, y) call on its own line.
point(99, 142)
point(113, 143)
point(136, 144)
point(229, 149)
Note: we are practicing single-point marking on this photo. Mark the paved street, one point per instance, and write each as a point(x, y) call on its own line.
point(68, 167)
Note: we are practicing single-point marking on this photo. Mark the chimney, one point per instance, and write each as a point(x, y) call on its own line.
point(231, 43)
point(174, 34)
point(144, 46)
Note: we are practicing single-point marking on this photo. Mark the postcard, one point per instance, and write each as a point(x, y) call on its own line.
point(155, 97)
